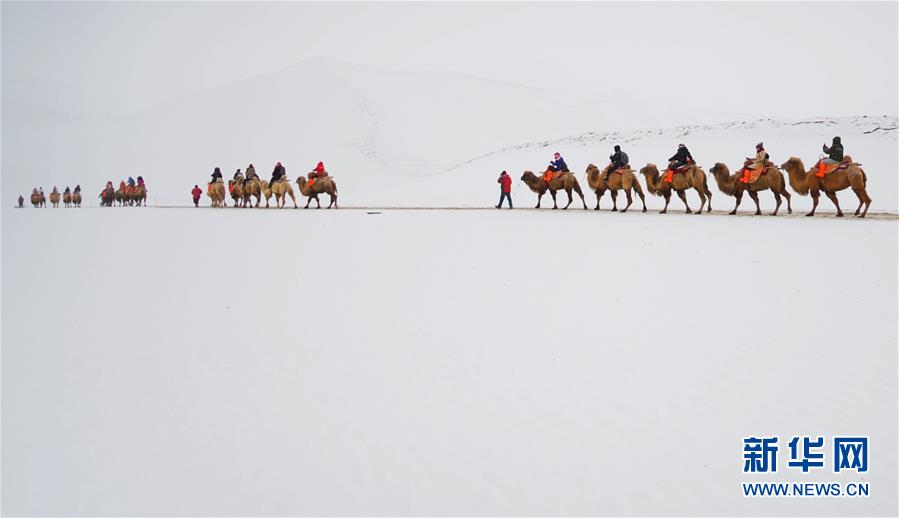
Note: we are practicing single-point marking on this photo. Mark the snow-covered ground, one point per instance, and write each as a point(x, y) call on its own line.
point(184, 361)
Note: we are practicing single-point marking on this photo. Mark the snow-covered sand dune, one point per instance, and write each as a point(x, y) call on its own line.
point(402, 138)
point(435, 362)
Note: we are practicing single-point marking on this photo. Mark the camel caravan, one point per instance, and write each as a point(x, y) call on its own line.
point(246, 186)
point(834, 172)
point(131, 193)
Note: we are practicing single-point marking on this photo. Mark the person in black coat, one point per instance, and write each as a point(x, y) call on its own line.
point(278, 173)
point(618, 160)
point(682, 157)
point(216, 175)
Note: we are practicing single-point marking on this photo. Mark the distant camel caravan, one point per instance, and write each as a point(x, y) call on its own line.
point(562, 180)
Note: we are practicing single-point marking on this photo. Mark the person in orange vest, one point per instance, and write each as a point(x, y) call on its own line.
point(505, 189)
point(196, 192)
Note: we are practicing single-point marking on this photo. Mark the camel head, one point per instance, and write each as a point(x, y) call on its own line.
point(720, 169)
point(793, 164)
point(649, 169)
point(592, 169)
point(528, 176)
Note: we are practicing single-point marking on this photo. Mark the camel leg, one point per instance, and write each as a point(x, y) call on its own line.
point(308, 201)
point(614, 195)
point(683, 197)
point(553, 194)
point(292, 197)
point(577, 189)
point(702, 199)
point(667, 201)
point(755, 197)
point(317, 202)
point(833, 197)
point(630, 200)
point(777, 200)
point(815, 194)
point(539, 197)
point(739, 196)
point(599, 194)
point(863, 197)
point(786, 195)
point(568, 192)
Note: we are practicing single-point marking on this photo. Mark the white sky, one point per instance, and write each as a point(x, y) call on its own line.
point(774, 59)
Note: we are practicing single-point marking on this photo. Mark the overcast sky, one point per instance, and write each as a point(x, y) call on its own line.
point(766, 58)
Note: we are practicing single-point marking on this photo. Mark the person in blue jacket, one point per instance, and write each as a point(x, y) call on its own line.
point(558, 164)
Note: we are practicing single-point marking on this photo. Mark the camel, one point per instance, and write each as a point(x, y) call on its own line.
point(120, 196)
point(566, 181)
point(732, 186)
point(216, 192)
point(281, 190)
point(625, 181)
point(236, 190)
point(54, 198)
point(76, 198)
point(139, 195)
point(805, 183)
point(38, 200)
point(266, 191)
point(693, 177)
point(252, 187)
point(325, 184)
point(67, 198)
point(108, 197)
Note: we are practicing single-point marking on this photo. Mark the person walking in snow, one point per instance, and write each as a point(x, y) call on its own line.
point(505, 189)
point(196, 192)
point(21, 202)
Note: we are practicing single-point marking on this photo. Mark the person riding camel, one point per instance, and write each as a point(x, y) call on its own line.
point(834, 156)
point(77, 188)
point(681, 158)
point(317, 173)
point(618, 160)
point(55, 190)
point(556, 165)
point(216, 175)
point(278, 173)
point(130, 181)
point(757, 164)
point(238, 176)
point(251, 173)
point(34, 191)
point(140, 181)
point(67, 191)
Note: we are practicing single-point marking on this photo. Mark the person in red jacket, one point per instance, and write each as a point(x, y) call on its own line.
point(505, 183)
point(196, 193)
